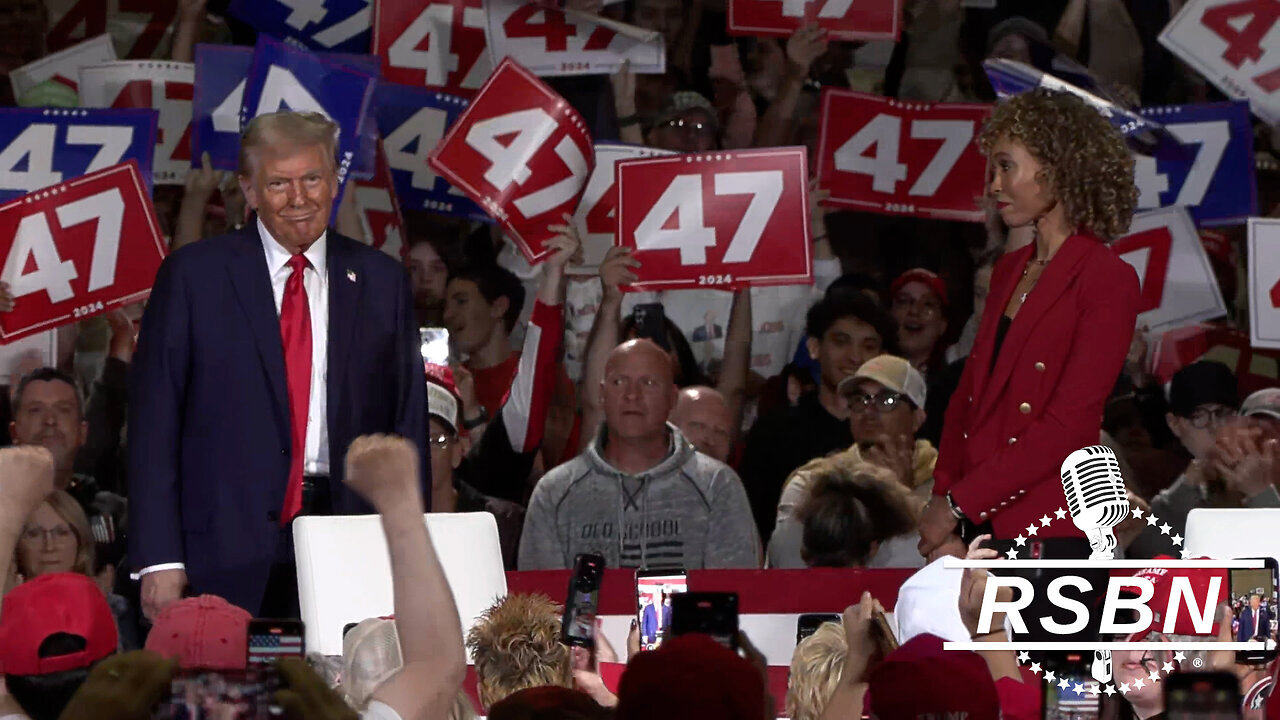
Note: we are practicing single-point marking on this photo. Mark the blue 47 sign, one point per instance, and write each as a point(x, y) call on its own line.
point(40, 147)
point(334, 25)
point(412, 120)
point(215, 106)
point(1214, 179)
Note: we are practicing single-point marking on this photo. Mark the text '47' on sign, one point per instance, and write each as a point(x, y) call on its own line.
point(1178, 284)
point(1236, 45)
point(330, 25)
point(901, 158)
point(522, 153)
point(165, 87)
point(842, 19)
point(1264, 282)
point(438, 44)
point(546, 41)
point(723, 220)
point(78, 249)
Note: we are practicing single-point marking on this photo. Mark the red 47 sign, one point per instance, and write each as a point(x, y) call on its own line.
point(1264, 282)
point(901, 158)
point(138, 27)
point(1178, 284)
point(380, 210)
point(78, 249)
point(717, 220)
point(434, 43)
point(842, 19)
point(521, 152)
point(1236, 45)
point(167, 88)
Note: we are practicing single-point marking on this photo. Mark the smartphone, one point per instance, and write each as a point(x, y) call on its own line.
point(884, 634)
point(809, 623)
point(578, 624)
point(655, 589)
point(270, 640)
point(709, 613)
point(1059, 702)
point(650, 319)
point(242, 695)
point(1202, 696)
point(435, 345)
point(1253, 610)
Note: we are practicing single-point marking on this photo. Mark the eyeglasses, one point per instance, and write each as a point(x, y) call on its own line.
point(60, 534)
point(699, 128)
point(883, 402)
point(442, 441)
point(1204, 417)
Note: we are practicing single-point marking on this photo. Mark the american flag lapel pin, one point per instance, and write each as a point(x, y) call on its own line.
point(351, 275)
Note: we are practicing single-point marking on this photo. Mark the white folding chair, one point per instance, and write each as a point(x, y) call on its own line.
point(344, 571)
point(1225, 533)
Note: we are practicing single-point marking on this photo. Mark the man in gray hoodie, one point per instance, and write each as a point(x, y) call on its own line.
point(640, 495)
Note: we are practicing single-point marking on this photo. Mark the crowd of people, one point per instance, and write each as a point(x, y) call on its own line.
point(888, 416)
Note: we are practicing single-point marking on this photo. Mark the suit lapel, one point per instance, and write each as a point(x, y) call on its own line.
point(1053, 282)
point(344, 296)
point(251, 279)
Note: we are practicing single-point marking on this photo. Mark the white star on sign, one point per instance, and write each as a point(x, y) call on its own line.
point(1168, 667)
point(1177, 539)
point(1165, 528)
point(1078, 689)
point(1045, 520)
point(1093, 689)
point(1059, 513)
point(1124, 688)
point(1063, 684)
point(1023, 657)
point(1011, 553)
point(1152, 520)
point(1137, 684)
point(1135, 511)
point(1186, 554)
point(1031, 529)
point(1111, 690)
point(1049, 676)
point(1154, 676)
point(1035, 668)
point(1178, 657)
point(1021, 540)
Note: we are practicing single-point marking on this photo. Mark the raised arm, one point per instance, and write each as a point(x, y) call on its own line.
point(605, 330)
point(803, 47)
point(737, 359)
point(26, 479)
point(383, 469)
point(187, 31)
point(201, 183)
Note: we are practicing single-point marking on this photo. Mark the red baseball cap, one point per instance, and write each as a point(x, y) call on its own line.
point(205, 633)
point(57, 603)
point(443, 399)
point(1162, 581)
point(690, 676)
point(920, 275)
point(921, 679)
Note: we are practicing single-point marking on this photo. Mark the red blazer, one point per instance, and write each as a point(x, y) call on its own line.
point(1008, 428)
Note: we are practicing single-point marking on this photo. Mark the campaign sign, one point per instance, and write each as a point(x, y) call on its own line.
point(901, 158)
point(1178, 284)
point(159, 85)
point(596, 217)
point(1215, 181)
point(522, 152)
point(438, 44)
point(283, 77)
point(63, 66)
point(1236, 45)
point(717, 220)
point(137, 28)
point(1264, 282)
point(78, 249)
point(549, 42)
point(412, 120)
point(1255, 367)
point(40, 147)
point(219, 90)
point(327, 25)
point(842, 19)
point(380, 212)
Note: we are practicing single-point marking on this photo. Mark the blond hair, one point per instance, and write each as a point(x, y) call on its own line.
point(287, 129)
point(516, 645)
point(73, 515)
point(816, 667)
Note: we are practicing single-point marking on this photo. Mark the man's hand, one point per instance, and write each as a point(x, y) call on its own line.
point(26, 479)
point(383, 469)
point(1247, 466)
point(623, 83)
point(122, 687)
point(160, 589)
point(898, 454)
point(616, 271)
point(202, 181)
point(973, 586)
point(803, 47)
point(566, 246)
point(858, 635)
point(306, 696)
point(465, 384)
point(936, 525)
point(122, 336)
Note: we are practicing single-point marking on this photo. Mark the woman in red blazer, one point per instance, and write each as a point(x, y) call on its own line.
point(1058, 321)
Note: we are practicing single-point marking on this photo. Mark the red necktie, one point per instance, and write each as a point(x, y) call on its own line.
point(295, 332)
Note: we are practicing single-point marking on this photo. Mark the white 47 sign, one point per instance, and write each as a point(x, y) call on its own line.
point(77, 249)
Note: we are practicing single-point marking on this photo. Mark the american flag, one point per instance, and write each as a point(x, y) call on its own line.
point(265, 648)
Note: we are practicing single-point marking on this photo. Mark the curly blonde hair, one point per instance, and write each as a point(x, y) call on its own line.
point(516, 645)
point(816, 667)
point(1085, 163)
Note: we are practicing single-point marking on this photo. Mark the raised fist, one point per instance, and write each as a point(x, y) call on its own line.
point(26, 479)
point(383, 469)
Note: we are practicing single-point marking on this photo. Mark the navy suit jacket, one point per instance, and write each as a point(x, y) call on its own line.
point(1251, 626)
point(209, 435)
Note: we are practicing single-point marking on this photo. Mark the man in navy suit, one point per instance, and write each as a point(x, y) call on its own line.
point(263, 353)
point(1254, 621)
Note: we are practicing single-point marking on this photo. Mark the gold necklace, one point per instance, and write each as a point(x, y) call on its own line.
point(1027, 271)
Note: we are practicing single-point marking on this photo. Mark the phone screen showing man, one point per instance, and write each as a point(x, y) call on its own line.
point(653, 603)
point(1253, 611)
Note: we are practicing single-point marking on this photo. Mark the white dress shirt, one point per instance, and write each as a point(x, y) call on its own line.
point(316, 281)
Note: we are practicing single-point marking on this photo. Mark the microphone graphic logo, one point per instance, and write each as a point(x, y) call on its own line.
point(1096, 497)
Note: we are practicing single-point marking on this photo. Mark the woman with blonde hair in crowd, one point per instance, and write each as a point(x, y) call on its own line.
point(56, 538)
point(816, 668)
